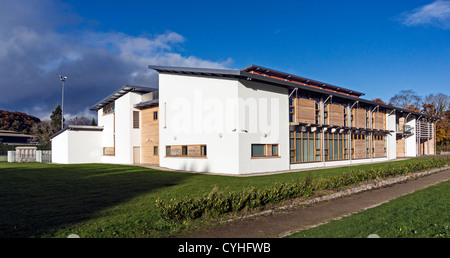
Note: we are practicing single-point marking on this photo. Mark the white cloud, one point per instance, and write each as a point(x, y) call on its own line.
point(437, 14)
point(33, 54)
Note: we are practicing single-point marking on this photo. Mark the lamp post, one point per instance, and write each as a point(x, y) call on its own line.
point(63, 80)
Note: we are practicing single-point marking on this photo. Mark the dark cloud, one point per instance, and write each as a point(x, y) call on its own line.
point(39, 40)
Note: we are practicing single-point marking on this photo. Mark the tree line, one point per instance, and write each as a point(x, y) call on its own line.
point(437, 105)
point(41, 130)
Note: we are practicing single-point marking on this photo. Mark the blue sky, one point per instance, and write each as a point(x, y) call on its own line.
point(376, 47)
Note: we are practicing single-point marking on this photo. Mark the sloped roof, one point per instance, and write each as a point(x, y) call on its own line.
point(246, 74)
point(120, 92)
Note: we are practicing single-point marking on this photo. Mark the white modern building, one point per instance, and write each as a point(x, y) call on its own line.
point(245, 121)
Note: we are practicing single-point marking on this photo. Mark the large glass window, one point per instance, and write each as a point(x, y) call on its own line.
point(258, 150)
point(305, 147)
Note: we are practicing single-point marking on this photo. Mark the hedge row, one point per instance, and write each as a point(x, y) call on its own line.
point(221, 203)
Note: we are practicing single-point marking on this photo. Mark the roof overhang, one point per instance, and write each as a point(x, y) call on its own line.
point(147, 104)
point(244, 75)
point(78, 128)
point(120, 92)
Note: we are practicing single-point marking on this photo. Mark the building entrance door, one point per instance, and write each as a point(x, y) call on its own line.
point(136, 155)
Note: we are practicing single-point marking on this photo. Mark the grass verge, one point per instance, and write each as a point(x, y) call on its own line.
point(422, 214)
point(103, 200)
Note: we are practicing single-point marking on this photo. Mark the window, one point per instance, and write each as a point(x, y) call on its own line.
point(336, 146)
point(258, 150)
point(109, 151)
point(155, 150)
point(305, 147)
point(345, 116)
point(186, 151)
point(317, 112)
point(109, 108)
point(265, 150)
point(155, 115)
point(367, 118)
point(325, 114)
point(291, 110)
point(203, 150)
point(274, 149)
point(135, 119)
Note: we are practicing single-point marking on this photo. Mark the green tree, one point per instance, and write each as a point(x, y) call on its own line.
point(42, 132)
point(56, 116)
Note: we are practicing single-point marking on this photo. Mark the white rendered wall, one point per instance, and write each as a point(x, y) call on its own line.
point(60, 148)
point(118, 129)
point(84, 146)
point(193, 111)
point(391, 137)
point(410, 142)
point(226, 115)
point(72, 146)
point(267, 123)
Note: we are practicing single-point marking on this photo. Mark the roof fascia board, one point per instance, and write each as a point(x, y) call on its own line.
point(194, 70)
point(120, 92)
point(304, 87)
point(77, 128)
point(239, 74)
point(319, 83)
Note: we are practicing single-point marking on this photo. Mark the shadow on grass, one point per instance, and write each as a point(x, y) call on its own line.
point(38, 198)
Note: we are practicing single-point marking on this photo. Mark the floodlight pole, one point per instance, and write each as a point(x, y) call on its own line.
point(63, 80)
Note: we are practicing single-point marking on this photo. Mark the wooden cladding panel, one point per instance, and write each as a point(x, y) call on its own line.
point(432, 140)
point(359, 117)
point(305, 110)
point(378, 149)
point(176, 150)
point(360, 149)
point(400, 148)
point(193, 151)
point(149, 136)
point(379, 120)
point(336, 114)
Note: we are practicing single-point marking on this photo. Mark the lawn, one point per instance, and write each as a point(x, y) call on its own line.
point(422, 214)
point(103, 200)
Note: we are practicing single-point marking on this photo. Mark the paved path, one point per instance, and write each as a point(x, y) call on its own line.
point(282, 223)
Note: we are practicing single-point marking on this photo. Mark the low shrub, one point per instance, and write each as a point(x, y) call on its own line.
point(217, 203)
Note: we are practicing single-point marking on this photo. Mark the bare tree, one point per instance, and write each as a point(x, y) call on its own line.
point(79, 121)
point(440, 103)
point(407, 99)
